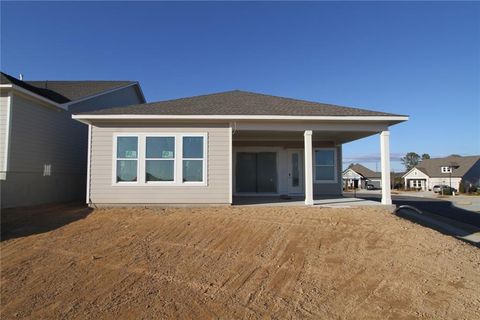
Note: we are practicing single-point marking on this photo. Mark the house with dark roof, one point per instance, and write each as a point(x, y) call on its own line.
point(211, 148)
point(449, 171)
point(358, 176)
point(42, 149)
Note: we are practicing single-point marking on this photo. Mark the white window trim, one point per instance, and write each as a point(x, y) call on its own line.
point(204, 169)
point(178, 160)
point(144, 155)
point(446, 169)
point(115, 158)
point(335, 166)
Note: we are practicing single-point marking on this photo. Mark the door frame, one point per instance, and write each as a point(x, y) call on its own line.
point(301, 164)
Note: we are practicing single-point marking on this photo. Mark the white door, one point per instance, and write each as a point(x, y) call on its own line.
point(295, 171)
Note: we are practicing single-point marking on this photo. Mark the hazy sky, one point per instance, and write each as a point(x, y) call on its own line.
point(420, 59)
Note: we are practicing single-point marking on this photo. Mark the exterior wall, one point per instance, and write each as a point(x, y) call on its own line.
point(122, 97)
point(48, 149)
point(47, 155)
point(4, 107)
point(104, 192)
point(282, 147)
point(444, 180)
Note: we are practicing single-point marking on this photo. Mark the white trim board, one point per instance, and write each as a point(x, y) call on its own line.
point(236, 117)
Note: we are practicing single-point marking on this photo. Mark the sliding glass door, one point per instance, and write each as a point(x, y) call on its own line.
point(256, 172)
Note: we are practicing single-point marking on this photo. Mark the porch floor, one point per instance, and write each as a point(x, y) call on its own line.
point(327, 201)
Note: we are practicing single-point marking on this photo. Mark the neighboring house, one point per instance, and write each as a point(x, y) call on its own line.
point(359, 176)
point(206, 149)
point(42, 150)
point(444, 171)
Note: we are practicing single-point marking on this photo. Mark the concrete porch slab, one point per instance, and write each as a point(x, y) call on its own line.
point(327, 202)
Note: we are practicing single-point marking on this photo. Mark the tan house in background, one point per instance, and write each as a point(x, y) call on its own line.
point(42, 150)
point(208, 149)
point(449, 171)
point(358, 176)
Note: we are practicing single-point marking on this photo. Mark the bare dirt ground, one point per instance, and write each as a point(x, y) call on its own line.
point(240, 262)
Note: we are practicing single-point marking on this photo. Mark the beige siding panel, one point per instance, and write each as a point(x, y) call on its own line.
point(216, 191)
point(47, 155)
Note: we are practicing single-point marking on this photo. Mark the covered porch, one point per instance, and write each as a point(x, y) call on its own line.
point(292, 163)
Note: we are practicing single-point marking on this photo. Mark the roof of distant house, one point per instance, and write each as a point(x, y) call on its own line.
point(364, 171)
point(433, 167)
point(64, 91)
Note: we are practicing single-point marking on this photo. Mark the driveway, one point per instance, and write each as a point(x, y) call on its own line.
point(442, 207)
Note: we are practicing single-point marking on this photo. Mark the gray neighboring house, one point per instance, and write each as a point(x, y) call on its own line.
point(448, 171)
point(207, 149)
point(359, 176)
point(42, 150)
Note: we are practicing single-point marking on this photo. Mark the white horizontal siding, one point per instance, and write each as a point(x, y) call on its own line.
point(4, 100)
point(103, 192)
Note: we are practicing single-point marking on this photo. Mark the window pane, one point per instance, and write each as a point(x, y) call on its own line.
point(324, 173)
point(126, 170)
point(127, 147)
point(159, 170)
point(160, 147)
point(295, 170)
point(324, 157)
point(193, 147)
point(192, 170)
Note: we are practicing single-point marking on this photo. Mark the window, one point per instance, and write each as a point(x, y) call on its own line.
point(160, 159)
point(127, 159)
point(446, 169)
point(192, 159)
point(154, 159)
point(324, 165)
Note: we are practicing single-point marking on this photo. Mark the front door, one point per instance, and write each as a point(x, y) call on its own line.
point(295, 171)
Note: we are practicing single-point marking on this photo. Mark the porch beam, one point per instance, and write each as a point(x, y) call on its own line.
point(385, 163)
point(308, 168)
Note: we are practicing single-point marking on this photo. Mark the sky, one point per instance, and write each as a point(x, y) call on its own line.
point(420, 59)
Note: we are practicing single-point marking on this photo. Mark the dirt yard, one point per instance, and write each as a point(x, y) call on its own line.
point(241, 262)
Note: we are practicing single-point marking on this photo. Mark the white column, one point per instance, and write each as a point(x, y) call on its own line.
point(385, 162)
point(308, 168)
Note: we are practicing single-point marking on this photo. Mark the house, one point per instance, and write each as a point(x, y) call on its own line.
point(359, 176)
point(207, 149)
point(448, 171)
point(42, 150)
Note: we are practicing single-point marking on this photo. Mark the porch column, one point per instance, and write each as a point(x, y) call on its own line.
point(308, 168)
point(385, 163)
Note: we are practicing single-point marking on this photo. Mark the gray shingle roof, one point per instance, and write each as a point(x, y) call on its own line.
point(364, 171)
point(64, 91)
point(238, 103)
point(433, 167)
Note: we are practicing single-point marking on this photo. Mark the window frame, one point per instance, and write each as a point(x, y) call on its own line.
point(204, 163)
point(177, 160)
point(446, 169)
point(115, 159)
point(145, 159)
point(335, 166)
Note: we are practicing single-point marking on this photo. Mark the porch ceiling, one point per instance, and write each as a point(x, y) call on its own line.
point(339, 137)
